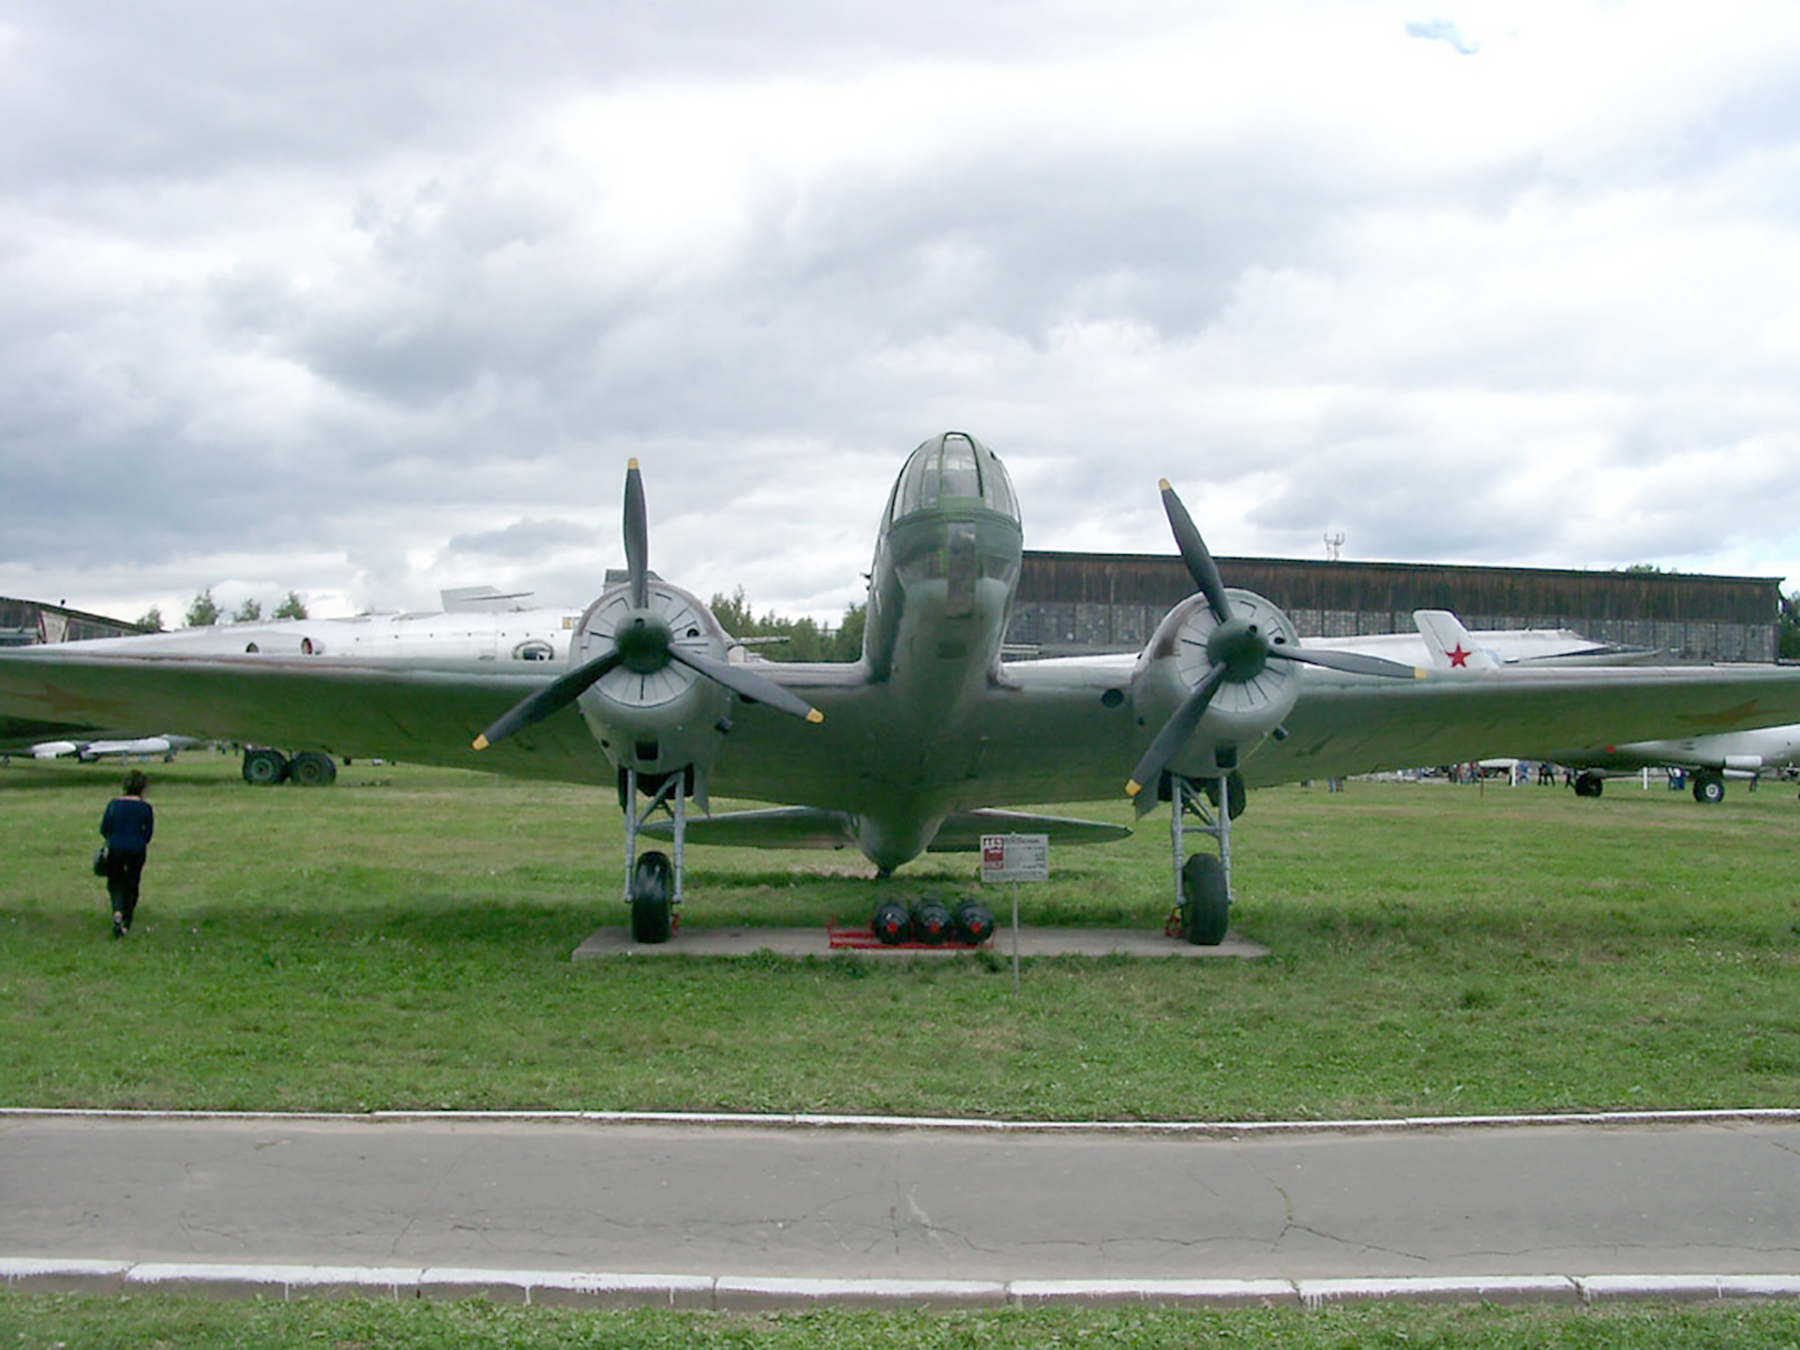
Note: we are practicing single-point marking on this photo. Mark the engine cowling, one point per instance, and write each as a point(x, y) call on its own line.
point(648, 671)
point(653, 715)
point(1254, 697)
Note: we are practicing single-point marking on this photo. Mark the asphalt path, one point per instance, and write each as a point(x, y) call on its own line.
point(1548, 1209)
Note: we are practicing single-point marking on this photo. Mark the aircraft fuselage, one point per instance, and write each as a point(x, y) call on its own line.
point(940, 594)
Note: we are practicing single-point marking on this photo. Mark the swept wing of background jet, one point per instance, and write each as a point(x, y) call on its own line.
point(928, 740)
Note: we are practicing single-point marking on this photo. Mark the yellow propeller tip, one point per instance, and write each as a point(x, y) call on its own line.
point(1133, 788)
point(1420, 673)
point(631, 463)
point(481, 742)
point(1162, 485)
point(814, 715)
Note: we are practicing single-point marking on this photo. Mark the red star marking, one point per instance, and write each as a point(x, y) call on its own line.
point(1458, 657)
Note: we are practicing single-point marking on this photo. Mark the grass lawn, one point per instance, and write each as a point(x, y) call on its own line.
point(96, 1324)
point(402, 940)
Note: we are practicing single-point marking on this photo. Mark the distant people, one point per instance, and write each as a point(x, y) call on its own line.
point(127, 825)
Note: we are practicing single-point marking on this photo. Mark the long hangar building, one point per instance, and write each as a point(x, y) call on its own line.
point(1071, 604)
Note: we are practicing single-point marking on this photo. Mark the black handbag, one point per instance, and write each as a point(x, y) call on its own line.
point(100, 861)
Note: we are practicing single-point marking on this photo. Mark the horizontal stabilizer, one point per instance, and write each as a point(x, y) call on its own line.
point(775, 827)
point(961, 831)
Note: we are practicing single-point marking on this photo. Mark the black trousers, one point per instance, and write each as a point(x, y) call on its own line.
point(123, 871)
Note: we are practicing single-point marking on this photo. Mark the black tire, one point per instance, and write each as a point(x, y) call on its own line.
point(1205, 901)
point(309, 768)
point(265, 768)
point(1709, 789)
point(652, 899)
point(1589, 785)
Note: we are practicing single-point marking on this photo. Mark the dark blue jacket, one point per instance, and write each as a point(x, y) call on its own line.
point(128, 824)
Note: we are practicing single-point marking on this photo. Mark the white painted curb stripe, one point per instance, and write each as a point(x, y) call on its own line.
point(27, 1275)
point(1722, 1115)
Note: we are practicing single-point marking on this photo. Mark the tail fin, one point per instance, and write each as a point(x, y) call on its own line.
point(1450, 644)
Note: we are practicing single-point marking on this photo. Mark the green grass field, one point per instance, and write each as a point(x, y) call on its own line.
point(129, 1324)
point(402, 941)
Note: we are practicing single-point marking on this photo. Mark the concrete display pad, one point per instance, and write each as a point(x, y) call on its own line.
point(802, 942)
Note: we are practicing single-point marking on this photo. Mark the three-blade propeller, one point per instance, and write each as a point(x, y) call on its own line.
point(1238, 650)
point(642, 642)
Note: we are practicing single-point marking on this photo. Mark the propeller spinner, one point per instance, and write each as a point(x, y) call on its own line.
point(1238, 648)
point(642, 642)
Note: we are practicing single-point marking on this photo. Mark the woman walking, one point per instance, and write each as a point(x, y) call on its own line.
point(127, 824)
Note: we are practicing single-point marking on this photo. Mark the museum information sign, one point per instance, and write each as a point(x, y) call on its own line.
point(1015, 857)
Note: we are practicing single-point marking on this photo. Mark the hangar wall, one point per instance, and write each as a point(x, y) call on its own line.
point(25, 622)
point(1074, 603)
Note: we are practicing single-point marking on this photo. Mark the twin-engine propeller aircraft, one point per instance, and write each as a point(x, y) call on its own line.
point(929, 740)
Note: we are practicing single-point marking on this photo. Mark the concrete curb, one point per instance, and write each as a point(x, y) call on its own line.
point(594, 1289)
point(821, 1121)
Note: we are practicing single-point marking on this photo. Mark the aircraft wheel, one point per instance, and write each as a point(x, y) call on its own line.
point(974, 923)
point(309, 768)
point(892, 924)
point(1709, 789)
point(1589, 785)
point(652, 899)
point(1206, 902)
point(264, 768)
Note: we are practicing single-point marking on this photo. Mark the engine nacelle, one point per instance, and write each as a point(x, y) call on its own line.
point(665, 717)
point(1254, 698)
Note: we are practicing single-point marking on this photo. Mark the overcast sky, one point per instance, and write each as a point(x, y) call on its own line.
point(364, 300)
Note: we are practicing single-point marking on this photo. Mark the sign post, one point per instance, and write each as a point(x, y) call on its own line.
point(1015, 858)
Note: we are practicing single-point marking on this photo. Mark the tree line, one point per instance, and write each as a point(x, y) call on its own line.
point(792, 639)
point(204, 612)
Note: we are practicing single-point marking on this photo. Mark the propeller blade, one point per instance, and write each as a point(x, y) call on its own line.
point(637, 537)
point(1351, 663)
point(747, 684)
point(1175, 731)
point(1200, 564)
point(551, 698)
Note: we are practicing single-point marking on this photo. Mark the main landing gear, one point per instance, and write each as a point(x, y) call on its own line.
point(653, 882)
point(1203, 882)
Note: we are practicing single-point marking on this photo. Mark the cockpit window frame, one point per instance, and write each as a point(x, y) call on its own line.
point(921, 485)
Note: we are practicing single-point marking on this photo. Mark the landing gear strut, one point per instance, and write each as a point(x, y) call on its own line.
point(1203, 882)
point(653, 882)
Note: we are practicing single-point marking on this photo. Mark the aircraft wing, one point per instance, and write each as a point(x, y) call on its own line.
point(350, 709)
point(1341, 727)
point(1046, 734)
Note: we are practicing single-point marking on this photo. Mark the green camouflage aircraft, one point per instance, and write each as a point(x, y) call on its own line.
point(926, 743)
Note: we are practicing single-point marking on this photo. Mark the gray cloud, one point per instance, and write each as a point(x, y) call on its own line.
point(368, 301)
